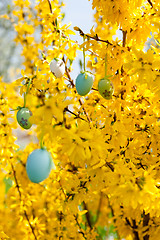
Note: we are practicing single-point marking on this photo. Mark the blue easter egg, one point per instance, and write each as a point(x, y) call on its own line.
point(23, 116)
point(105, 88)
point(84, 82)
point(39, 165)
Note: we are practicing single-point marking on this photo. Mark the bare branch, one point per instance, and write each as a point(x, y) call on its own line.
point(50, 6)
point(89, 120)
point(145, 224)
point(99, 207)
point(91, 37)
point(149, 1)
point(81, 230)
point(76, 115)
point(20, 195)
point(110, 166)
point(133, 227)
point(124, 38)
point(87, 215)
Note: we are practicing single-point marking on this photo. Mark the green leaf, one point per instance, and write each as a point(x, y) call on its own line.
point(102, 231)
point(8, 184)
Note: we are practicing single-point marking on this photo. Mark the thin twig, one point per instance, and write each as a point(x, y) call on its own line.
point(87, 215)
point(94, 89)
point(68, 75)
point(133, 227)
point(135, 231)
point(124, 38)
point(91, 37)
point(99, 207)
point(149, 1)
point(50, 6)
point(77, 116)
point(145, 224)
point(62, 190)
point(81, 230)
point(110, 166)
point(80, 101)
point(20, 195)
point(113, 215)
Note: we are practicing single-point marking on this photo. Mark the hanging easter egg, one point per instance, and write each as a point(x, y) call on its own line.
point(39, 165)
point(57, 67)
point(84, 82)
point(105, 88)
point(23, 116)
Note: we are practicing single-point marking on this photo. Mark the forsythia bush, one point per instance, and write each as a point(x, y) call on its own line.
point(104, 144)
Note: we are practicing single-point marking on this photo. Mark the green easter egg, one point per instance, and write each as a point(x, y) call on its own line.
point(105, 88)
point(23, 116)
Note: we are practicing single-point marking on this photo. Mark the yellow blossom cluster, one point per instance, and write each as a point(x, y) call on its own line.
point(106, 152)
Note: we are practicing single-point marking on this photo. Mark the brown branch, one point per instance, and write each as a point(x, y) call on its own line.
point(81, 230)
point(62, 189)
point(99, 207)
point(88, 118)
point(133, 227)
point(76, 115)
point(87, 215)
point(20, 195)
point(113, 215)
point(145, 223)
point(149, 1)
point(136, 235)
point(50, 6)
point(54, 23)
point(91, 37)
point(124, 38)
point(108, 164)
point(68, 75)
point(17, 185)
point(94, 89)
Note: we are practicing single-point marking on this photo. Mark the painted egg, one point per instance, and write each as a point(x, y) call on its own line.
point(84, 82)
point(23, 116)
point(39, 165)
point(105, 88)
point(57, 67)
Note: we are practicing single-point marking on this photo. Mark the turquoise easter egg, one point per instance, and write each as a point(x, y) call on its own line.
point(23, 116)
point(39, 165)
point(84, 82)
point(105, 88)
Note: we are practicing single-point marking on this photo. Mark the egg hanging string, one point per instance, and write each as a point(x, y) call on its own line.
point(84, 57)
point(106, 69)
point(41, 141)
point(105, 66)
point(25, 94)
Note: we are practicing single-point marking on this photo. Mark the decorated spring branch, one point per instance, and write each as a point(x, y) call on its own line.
point(90, 168)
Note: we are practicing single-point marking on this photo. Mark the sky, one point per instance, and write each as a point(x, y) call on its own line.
point(80, 14)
